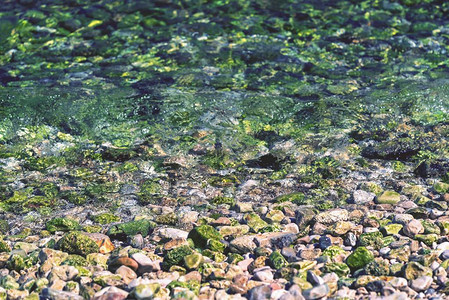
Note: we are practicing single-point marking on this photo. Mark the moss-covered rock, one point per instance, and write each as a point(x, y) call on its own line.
point(124, 230)
point(341, 269)
point(255, 222)
point(389, 197)
point(75, 260)
point(4, 247)
point(378, 267)
point(202, 234)
point(372, 239)
point(414, 270)
point(62, 224)
point(76, 242)
point(359, 258)
point(105, 218)
point(277, 260)
point(175, 257)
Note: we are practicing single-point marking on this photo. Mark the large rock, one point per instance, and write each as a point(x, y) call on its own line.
point(243, 244)
point(76, 242)
point(123, 231)
point(62, 224)
point(201, 235)
point(389, 197)
point(359, 258)
point(332, 216)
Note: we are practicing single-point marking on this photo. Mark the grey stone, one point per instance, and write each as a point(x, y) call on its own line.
point(52, 294)
point(421, 283)
point(317, 292)
point(261, 292)
point(362, 197)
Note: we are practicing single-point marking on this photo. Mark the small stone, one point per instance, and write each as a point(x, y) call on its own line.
point(202, 234)
point(261, 292)
point(126, 273)
point(242, 244)
point(391, 229)
point(414, 269)
point(123, 261)
point(146, 291)
point(314, 279)
point(332, 216)
point(402, 218)
point(136, 241)
point(324, 242)
point(62, 224)
point(59, 295)
point(413, 228)
point(111, 293)
point(421, 283)
point(389, 197)
point(359, 258)
point(193, 261)
point(76, 242)
point(172, 233)
point(350, 239)
point(146, 264)
point(316, 292)
point(263, 275)
point(362, 197)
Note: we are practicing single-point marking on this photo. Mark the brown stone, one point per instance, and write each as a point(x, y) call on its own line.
point(175, 243)
point(221, 221)
point(103, 241)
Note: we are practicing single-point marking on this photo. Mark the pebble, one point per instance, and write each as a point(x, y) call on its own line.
point(421, 283)
point(316, 292)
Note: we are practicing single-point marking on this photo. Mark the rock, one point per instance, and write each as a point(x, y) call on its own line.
point(172, 233)
point(277, 261)
point(145, 264)
point(402, 218)
point(111, 293)
point(126, 273)
point(413, 228)
point(175, 257)
point(427, 239)
point(261, 292)
point(123, 261)
point(391, 229)
point(362, 197)
point(389, 197)
point(104, 243)
point(255, 222)
point(76, 242)
point(242, 244)
point(414, 269)
point(421, 283)
point(51, 294)
point(316, 292)
point(350, 239)
point(340, 228)
point(395, 149)
point(146, 291)
point(263, 275)
point(49, 258)
point(233, 230)
point(202, 234)
point(65, 273)
point(324, 242)
point(62, 224)
point(136, 241)
point(332, 216)
point(304, 215)
point(359, 258)
point(314, 279)
point(98, 259)
point(193, 261)
point(129, 229)
point(434, 168)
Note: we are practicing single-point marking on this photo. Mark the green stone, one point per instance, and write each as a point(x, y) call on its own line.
point(201, 235)
point(333, 252)
point(430, 227)
point(105, 218)
point(255, 222)
point(217, 246)
point(62, 224)
point(274, 216)
point(97, 259)
point(75, 260)
point(176, 256)
point(359, 258)
point(372, 239)
point(440, 205)
point(378, 267)
point(277, 261)
point(389, 197)
point(341, 269)
point(124, 230)
point(9, 283)
point(441, 187)
point(234, 230)
point(391, 229)
point(76, 242)
point(401, 254)
point(396, 269)
point(414, 270)
point(371, 187)
point(193, 261)
point(427, 239)
point(444, 226)
point(19, 261)
point(4, 247)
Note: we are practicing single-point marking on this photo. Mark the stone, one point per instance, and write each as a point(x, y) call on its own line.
point(255, 222)
point(389, 197)
point(202, 234)
point(50, 257)
point(136, 241)
point(340, 228)
point(243, 244)
point(146, 291)
point(402, 218)
point(172, 233)
point(391, 229)
point(316, 292)
point(414, 269)
point(103, 241)
point(62, 224)
point(145, 264)
point(52, 294)
point(234, 230)
point(413, 228)
point(314, 279)
point(111, 293)
point(362, 197)
point(175, 257)
point(76, 242)
point(126, 273)
point(263, 275)
point(125, 230)
point(359, 258)
point(421, 283)
point(261, 292)
point(65, 273)
point(277, 261)
point(193, 261)
point(427, 239)
point(332, 216)
point(123, 261)
point(324, 242)
point(304, 215)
